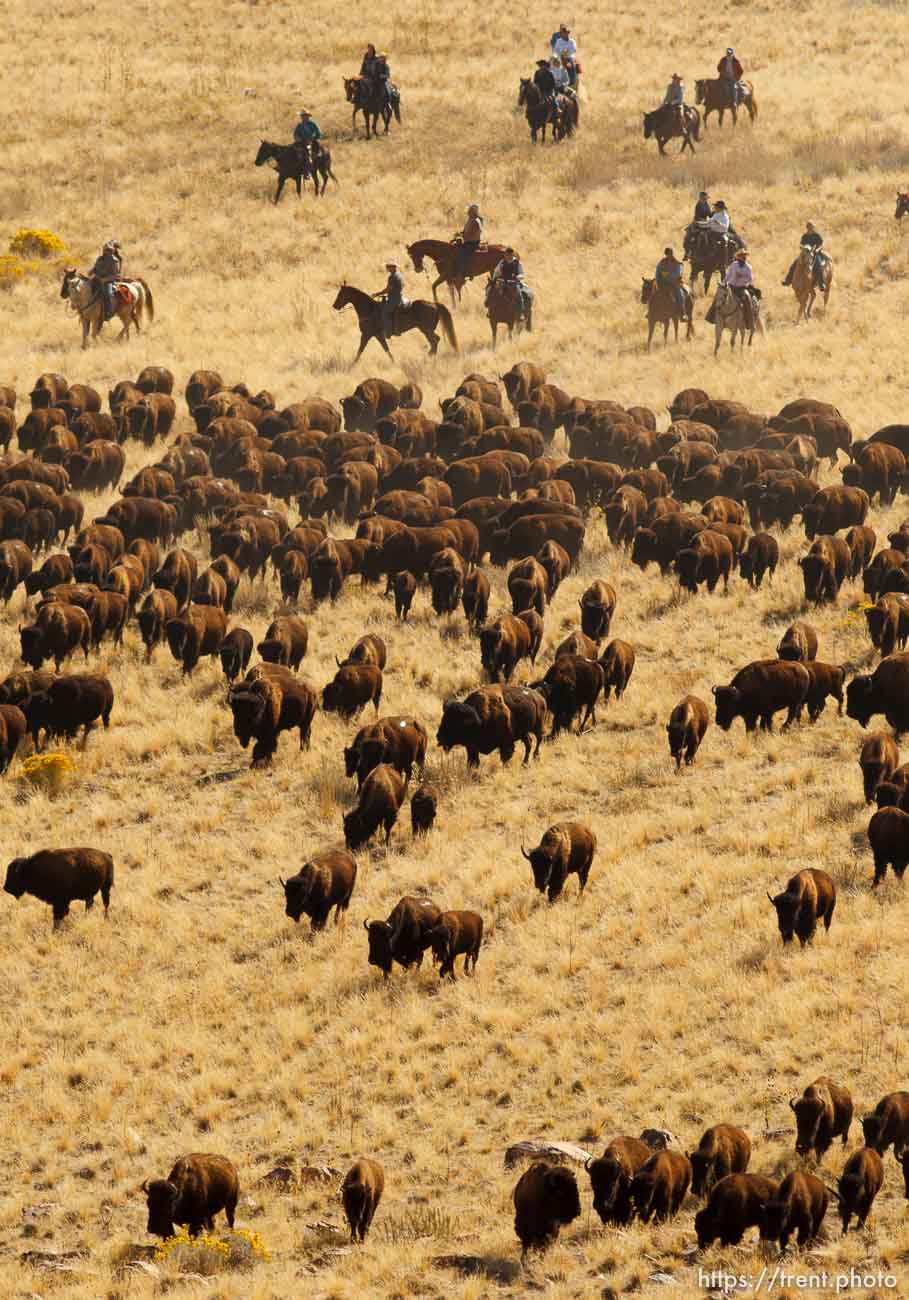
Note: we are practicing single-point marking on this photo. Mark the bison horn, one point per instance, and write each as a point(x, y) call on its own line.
point(791, 1103)
point(145, 1186)
point(366, 926)
point(714, 689)
point(770, 896)
point(524, 853)
point(282, 882)
point(338, 662)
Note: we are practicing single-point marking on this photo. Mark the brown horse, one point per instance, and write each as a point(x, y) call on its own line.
point(902, 205)
point(297, 164)
point(369, 99)
point(714, 94)
point(503, 307)
point(664, 124)
point(663, 309)
point(447, 257)
point(804, 285)
point(561, 111)
point(417, 315)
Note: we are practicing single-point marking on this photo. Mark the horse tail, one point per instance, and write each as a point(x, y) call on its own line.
point(695, 123)
point(448, 326)
point(396, 107)
point(333, 176)
point(149, 300)
point(754, 110)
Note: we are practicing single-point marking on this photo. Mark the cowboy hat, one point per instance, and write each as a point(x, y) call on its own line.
point(542, 63)
point(473, 207)
point(391, 262)
point(667, 252)
point(676, 77)
point(703, 194)
point(720, 204)
point(730, 50)
point(304, 112)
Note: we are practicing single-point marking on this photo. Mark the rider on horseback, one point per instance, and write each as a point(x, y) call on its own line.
point(669, 273)
point(544, 80)
point(675, 98)
point(740, 279)
point(306, 132)
point(108, 269)
point(559, 75)
point(392, 297)
point(702, 207)
point(563, 44)
point(368, 66)
point(812, 239)
point(469, 239)
point(730, 71)
point(510, 274)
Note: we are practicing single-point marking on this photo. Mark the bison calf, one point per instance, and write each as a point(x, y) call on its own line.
point(195, 1190)
point(361, 1193)
point(62, 876)
point(423, 805)
point(860, 1182)
point(456, 934)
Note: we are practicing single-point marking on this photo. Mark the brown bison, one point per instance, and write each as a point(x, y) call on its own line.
point(521, 380)
point(571, 688)
point(158, 608)
point(736, 1204)
point(888, 623)
point(888, 835)
point(760, 690)
point(859, 1184)
point(361, 1193)
point(597, 608)
point(798, 643)
point(879, 758)
point(378, 804)
point(455, 934)
point(688, 723)
point(60, 877)
point(503, 644)
point(400, 741)
point(834, 508)
point(809, 897)
point(196, 1189)
point(886, 691)
point(723, 1149)
point(58, 632)
point(825, 569)
point(271, 700)
point(423, 804)
point(611, 1176)
point(194, 633)
point(662, 541)
point(889, 1124)
point(285, 641)
point(617, 662)
point(475, 599)
point(446, 580)
point(402, 937)
point(326, 881)
point(527, 586)
point(526, 536)
point(545, 1200)
point(352, 688)
point(660, 1186)
point(565, 848)
point(493, 718)
point(235, 652)
point(822, 1113)
point(68, 703)
point(827, 681)
point(761, 555)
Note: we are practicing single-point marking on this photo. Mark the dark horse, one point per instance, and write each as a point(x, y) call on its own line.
point(561, 112)
point(663, 309)
point(368, 97)
point(418, 315)
point(503, 307)
point(447, 259)
point(713, 93)
point(664, 125)
point(708, 255)
point(902, 205)
point(297, 163)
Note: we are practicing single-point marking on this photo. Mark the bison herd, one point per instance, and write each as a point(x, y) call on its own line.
point(431, 501)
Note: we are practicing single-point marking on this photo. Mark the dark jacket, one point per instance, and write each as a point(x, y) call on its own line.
point(394, 289)
point(108, 267)
point(813, 241)
point(544, 81)
point(702, 210)
point(510, 270)
point(368, 66)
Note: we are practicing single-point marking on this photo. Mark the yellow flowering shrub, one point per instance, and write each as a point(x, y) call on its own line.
point(14, 269)
point(208, 1253)
point(36, 243)
point(48, 772)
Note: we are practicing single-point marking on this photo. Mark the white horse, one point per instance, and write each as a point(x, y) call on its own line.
point(132, 299)
point(729, 314)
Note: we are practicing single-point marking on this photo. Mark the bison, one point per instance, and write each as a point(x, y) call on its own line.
point(565, 848)
point(402, 937)
point(285, 641)
point(493, 718)
point(571, 687)
point(352, 688)
point(617, 662)
point(453, 935)
point(597, 608)
point(545, 1199)
point(798, 643)
point(886, 691)
point(196, 1189)
point(688, 723)
point(760, 690)
point(423, 804)
point(361, 1193)
point(61, 877)
point(503, 644)
point(736, 1204)
point(326, 881)
point(271, 700)
point(879, 758)
point(822, 1113)
point(723, 1149)
point(660, 1186)
point(809, 897)
point(859, 1184)
point(611, 1176)
point(889, 1124)
point(761, 555)
point(68, 703)
point(58, 632)
point(379, 802)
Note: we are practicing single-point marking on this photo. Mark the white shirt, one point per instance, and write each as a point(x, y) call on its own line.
point(739, 274)
point(560, 76)
point(565, 45)
point(719, 222)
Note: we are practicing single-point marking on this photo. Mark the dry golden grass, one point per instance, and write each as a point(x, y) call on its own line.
point(199, 1017)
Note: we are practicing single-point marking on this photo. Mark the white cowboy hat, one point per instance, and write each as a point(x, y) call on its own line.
point(391, 262)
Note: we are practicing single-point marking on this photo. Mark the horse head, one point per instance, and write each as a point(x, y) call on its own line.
point(523, 90)
point(700, 91)
point(902, 205)
point(69, 275)
point(265, 152)
point(416, 256)
point(343, 297)
point(648, 125)
point(646, 289)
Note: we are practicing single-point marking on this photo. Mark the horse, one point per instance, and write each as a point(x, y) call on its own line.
point(727, 313)
point(803, 281)
point(132, 298)
point(663, 309)
point(902, 205)
point(709, 256)
point(664, 125)
point(369, 98)
point(504, 307)
point(420, 315)
point(713, 93)
point(447, 259)
point(296, 163)
point(542, 111)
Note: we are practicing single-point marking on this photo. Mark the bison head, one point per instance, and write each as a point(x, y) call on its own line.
point(15, 882)
point(32, 643)
point(787, 909)
point(643, 548)
point(542, 861)
point(380, 954)
point(331, 697)
point(357, 415)
point(688, 567)
point(560, 1187)
point(356, 830)
point(273, 651)
point(808, 1111)
point(705, 1227)
point(248, 708)
point(703, 1170)
point(297, 891)
point(606, 1176)
point(459, 721)
point(872, 1130)
point(161, 1197)
point(728, 701)
point(860, 699)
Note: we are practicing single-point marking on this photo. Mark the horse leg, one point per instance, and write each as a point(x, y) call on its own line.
point(298, 180)
point(433, 341)
point(494, 326)
point(281, 179)
point(651, 327)
point(435, 285)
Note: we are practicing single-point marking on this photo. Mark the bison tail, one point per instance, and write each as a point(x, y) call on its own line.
point(149, 301)
point(448, 326)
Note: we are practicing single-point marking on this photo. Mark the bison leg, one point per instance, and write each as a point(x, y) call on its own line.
point(61, 910)
point(105, 899)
